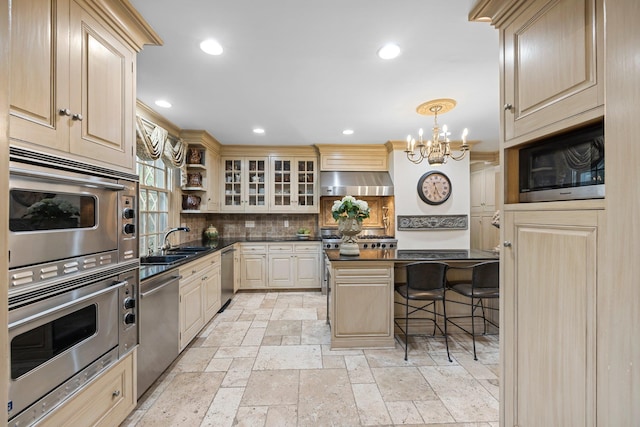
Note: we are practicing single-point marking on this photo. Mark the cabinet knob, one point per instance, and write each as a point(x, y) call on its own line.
point(506, 244)
point(508, 107)
point(116, 393)
point(65, 112)
point(77, 117)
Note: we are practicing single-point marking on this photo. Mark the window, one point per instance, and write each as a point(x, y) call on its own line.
point(155, 182)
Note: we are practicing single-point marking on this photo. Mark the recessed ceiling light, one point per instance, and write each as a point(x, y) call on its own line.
point(347, 132)
point(162, 103)
point(211, 47)
point(258, 130)
point(389, 51)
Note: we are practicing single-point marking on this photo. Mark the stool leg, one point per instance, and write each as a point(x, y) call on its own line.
point(484, 319)
point(446, 336)
point(406, 328)
point(473, 330)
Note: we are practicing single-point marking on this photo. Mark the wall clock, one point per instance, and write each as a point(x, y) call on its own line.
point(434, 188)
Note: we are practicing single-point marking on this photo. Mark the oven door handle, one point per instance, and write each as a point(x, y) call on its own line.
point(66, 179)
point(61, 307)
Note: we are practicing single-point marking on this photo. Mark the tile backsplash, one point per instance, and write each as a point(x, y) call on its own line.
point(253, 226)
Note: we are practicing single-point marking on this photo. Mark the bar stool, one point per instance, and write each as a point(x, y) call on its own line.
point(425, 286)
point(484, 284)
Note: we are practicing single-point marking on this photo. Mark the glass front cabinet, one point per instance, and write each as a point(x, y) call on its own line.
point(293, 185)
point(245, 185)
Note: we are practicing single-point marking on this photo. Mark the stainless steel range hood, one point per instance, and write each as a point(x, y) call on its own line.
point(334, 183)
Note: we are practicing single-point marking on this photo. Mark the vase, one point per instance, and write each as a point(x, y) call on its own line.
point(349, 227)
point(211, 233)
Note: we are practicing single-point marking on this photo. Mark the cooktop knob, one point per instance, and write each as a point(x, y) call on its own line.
point(128, 213)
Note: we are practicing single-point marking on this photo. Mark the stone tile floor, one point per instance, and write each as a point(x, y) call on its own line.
point(266, 361)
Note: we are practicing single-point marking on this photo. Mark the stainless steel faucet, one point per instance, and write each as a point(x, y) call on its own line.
point(165, 242)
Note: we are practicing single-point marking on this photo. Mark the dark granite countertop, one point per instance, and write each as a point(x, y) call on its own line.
point(149, 270)
point(413, 255)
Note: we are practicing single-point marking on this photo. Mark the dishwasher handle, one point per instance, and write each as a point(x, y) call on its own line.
point(158, 288)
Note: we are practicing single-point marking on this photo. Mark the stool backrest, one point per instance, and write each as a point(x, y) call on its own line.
point(426, 275)
point(486, 275)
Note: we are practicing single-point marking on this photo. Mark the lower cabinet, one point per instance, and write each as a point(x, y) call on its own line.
point(289, 265)
point(548, 317)
point(105, 402)
point(199, 296)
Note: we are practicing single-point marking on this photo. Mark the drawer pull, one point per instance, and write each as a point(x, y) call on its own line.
point(115, 393)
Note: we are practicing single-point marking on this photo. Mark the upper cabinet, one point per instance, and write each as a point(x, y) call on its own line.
point(245, 184)
point(553, 67)
point(200, 185)
point(73, 79)
point(293, 184)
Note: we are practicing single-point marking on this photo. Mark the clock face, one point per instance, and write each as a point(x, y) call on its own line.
point(434, 188)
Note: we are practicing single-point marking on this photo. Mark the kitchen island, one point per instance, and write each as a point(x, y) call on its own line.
point(360, 298)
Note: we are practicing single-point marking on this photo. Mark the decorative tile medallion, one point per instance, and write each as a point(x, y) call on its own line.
point(433, 222)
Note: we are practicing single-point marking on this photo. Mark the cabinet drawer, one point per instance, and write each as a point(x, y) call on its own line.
point(254, 249)
point(277, 247)
point(307, 247)
point(106, 401)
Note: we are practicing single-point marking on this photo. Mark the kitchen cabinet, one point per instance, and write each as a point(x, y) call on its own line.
point(361, 304)
point(553, 67)
point(202, 174)
point(253, 266)
point(280, 265)
point(548, 309)
point(294, 183)
point(245, 184)
point(106, 401)
point(199, 295)
point(73, 81)
point(484, 192)
point(357, 157)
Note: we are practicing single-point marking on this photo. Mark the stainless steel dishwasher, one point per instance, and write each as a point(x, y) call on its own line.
point(227, 279)
point(159, 327)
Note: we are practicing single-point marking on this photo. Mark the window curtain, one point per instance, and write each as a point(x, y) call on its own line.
point(154, 142)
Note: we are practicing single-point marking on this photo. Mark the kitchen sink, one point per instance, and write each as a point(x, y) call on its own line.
point(163, 259)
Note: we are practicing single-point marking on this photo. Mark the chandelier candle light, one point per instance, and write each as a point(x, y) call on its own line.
point(437, 149)
point(349, 213)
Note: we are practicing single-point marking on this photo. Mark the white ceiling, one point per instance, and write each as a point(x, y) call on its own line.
point(305, 70)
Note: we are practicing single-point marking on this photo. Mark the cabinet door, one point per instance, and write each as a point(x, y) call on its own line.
point(213, 186)
point(255, 189)
point(253, 271)
point(40, 73)
point(552, 70)
point(475, 231)
point(191, 309)
point(548, 304)
point(232, 179)
point(101, 92)
point(281, 270)
point(307, 270)
point(211, 291)
point(477, 190)
point(282, 177)
point(306, 195)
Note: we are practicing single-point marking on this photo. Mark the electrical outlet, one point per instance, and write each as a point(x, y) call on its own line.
point(286, 223)
point(249, 224)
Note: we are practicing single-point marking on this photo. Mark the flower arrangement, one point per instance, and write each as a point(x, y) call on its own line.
point(52, 208)
point(349, 207)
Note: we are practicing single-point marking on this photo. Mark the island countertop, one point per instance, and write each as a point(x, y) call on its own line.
point(415, 255)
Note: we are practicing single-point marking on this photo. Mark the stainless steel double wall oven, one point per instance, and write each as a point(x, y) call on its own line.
point(73, 277)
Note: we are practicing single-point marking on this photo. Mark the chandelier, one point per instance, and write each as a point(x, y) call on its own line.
point(438, 148)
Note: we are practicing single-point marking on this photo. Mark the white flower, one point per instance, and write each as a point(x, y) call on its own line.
point(336, 206)
point(364, 206)
point(348, 199)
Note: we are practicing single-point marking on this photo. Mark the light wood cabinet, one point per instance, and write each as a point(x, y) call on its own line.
point(253, 266)
point(553, 66)
point(202, 177)
point(245, 184)
point(361, 303)
point(73, 83)
point(483, 234)
point(294, 183)
point(548, 317)
point(106, 401)
point(280, 265)
point(200, 295)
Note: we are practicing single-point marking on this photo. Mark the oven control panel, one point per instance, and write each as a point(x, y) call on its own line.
point(128, 298)
point(128, 221)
